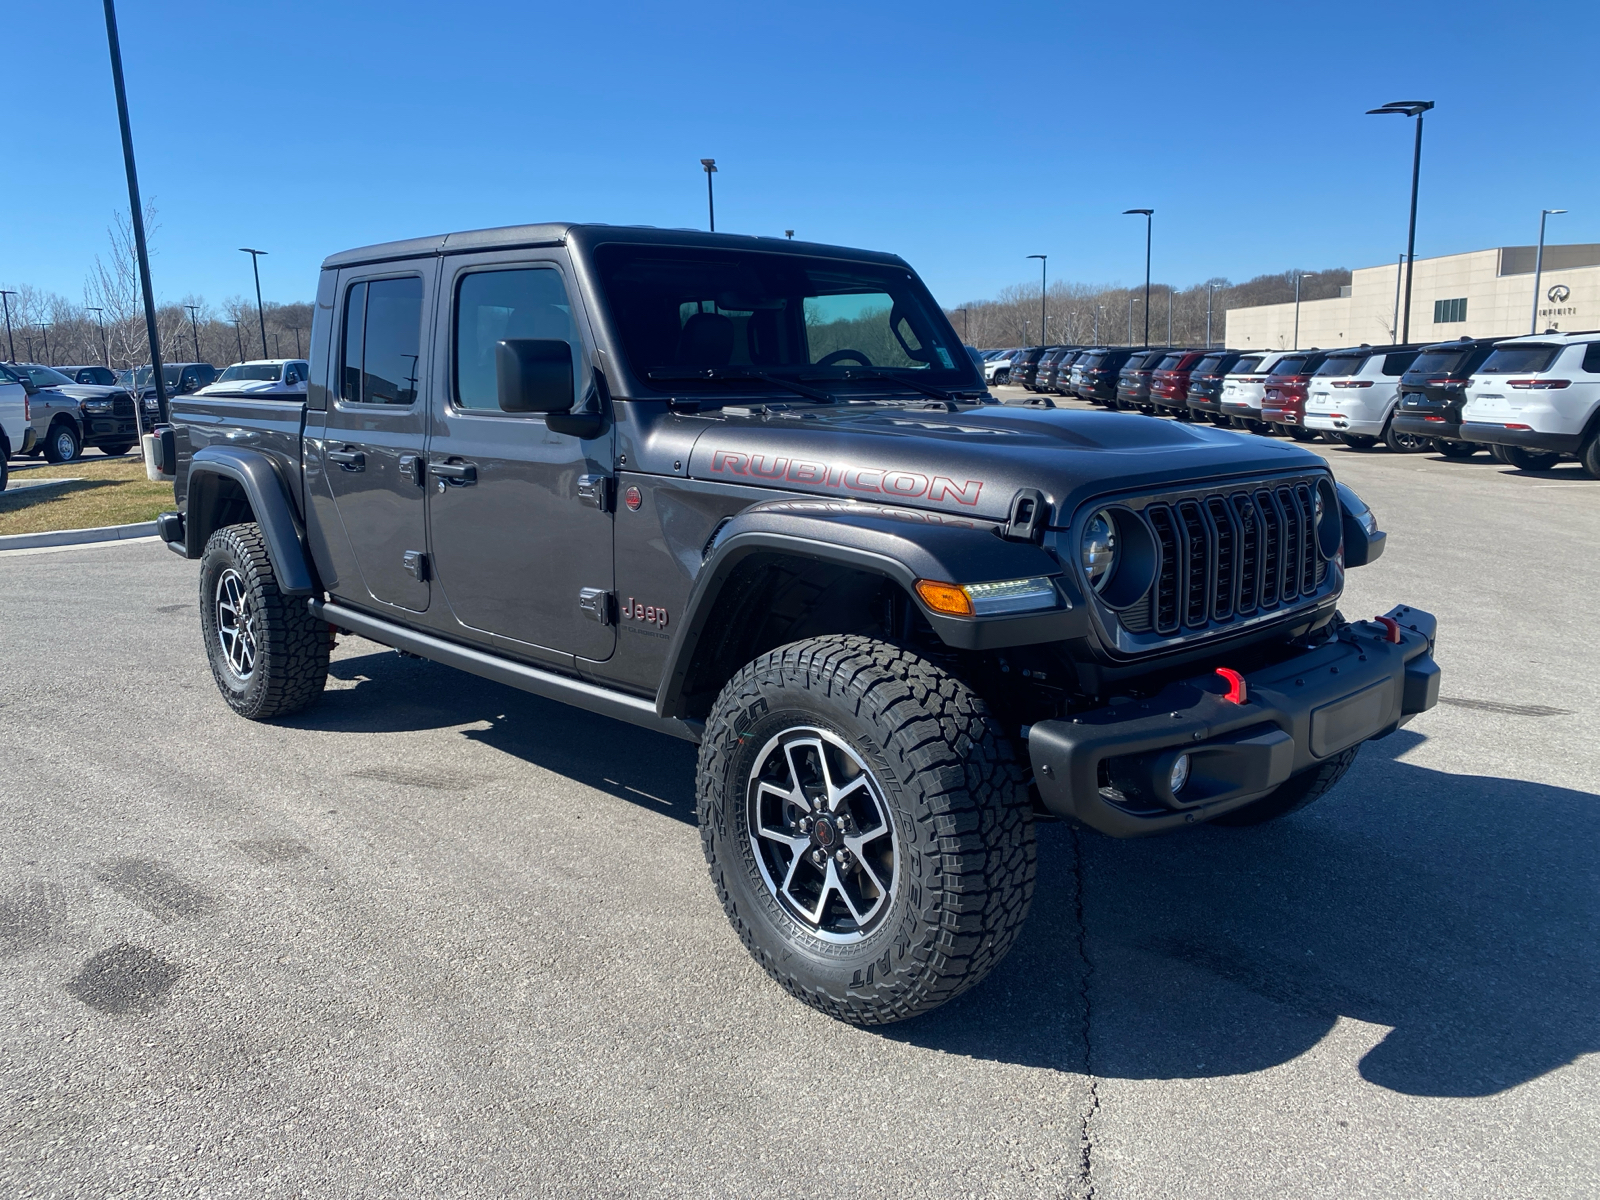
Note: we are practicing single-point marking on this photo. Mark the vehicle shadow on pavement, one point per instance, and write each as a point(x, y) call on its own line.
point(1458, 910)
point(645, 768)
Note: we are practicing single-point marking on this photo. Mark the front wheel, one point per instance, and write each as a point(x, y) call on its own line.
point(867, 827)
point(1403, 443)
point(1590, 458)
point(116, 449)
point(268, 654)
point(1294, 793)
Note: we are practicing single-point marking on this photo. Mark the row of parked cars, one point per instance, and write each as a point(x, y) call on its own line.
point(58, 412)
point(1529, 401)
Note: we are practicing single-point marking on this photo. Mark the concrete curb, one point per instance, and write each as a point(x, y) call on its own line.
point(78, 537)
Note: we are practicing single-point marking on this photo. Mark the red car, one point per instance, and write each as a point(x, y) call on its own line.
point(1283, 406)
point(1169, 382)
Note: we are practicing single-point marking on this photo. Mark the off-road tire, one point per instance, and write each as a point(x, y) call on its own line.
point(1524, 459)
point(57, 440)
point(5, 465)
point(290, 664)
point(116, 449)
point(1455, 449)
point(962, 822)
point(1294, 793)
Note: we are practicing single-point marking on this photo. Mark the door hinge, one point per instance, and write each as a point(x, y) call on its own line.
point(416, 565)
point(597, 605)
point(595, 491)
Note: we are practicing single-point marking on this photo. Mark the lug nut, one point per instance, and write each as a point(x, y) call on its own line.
point(841, 857)
point(820, 857)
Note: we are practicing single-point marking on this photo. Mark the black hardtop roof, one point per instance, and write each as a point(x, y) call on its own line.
point(511, 237)
point(1464, 343)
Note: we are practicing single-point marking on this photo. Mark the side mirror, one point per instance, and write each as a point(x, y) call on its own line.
point(28, 385)
point(534, 375)
point(291, 378)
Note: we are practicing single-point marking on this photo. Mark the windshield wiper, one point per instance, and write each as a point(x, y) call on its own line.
point(913, 384)
point(741, 374)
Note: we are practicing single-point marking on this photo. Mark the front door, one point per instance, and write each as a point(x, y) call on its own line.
point(518, 543)
point(377, 423)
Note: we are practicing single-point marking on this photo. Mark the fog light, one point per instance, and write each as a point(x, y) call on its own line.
point(1180, 774)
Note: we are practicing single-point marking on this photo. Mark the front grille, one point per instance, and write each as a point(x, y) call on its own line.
point(1228, 556)
point(122, 406)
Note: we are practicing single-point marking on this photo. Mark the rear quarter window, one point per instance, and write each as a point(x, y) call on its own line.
point(1591, 358)
point(1396, 363)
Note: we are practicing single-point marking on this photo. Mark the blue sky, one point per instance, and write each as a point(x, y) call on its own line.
point(961, 136)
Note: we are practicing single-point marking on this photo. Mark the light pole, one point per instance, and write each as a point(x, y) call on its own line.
point(1132, 300)
point(136, 212)
point(1399, 269)
point(710, 165)
point(44, 330)
point(100, 320)
point(239, 337)
point(1409, 108)
point(1044, 334)
point(255, 258)
point(1209, 288)
point(966, 325)
point(1538, 265)
point(194, 328)
point(1169, 318)
point(1100, 310)
point(296, 329)
point(789, 233)
point(1148, 214)
point(1298, 276)
point(11, 346)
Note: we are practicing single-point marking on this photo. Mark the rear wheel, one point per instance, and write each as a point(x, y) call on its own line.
point(1357, 441)
point(1294, 793)
point(1301, 434)
point(1403, 443)
point(1455, 449)
point(268, 654)
point(1524, 459)
point(1590, 458)
point(867, 827)
point(61, 444)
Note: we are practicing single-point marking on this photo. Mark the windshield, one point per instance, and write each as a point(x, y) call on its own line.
point(1436, 362)
point(42, 376)
point(254, 372)
point(1514, 360)
point(1340, 364)
point(682, 310)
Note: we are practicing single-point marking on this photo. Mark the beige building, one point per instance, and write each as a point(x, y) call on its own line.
point(1484, 293)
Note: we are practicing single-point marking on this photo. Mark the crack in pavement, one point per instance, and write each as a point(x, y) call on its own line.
point(1085, 1188)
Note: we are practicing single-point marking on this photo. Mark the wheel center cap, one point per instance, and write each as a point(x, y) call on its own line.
point(825, 833)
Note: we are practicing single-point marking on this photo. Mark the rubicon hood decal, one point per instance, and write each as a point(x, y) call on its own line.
point(974, 462)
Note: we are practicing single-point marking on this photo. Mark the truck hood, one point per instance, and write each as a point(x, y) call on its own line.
point(974, 461)
point(88, 391)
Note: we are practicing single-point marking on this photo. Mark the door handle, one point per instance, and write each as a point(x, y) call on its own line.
point(349, 460)
point(460, 474)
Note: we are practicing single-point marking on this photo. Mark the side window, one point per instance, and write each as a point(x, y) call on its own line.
point(1591, 358)
point(382, 341)
point(1396, 363)
point(492, 306)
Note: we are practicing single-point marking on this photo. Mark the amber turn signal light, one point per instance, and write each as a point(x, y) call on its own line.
point(944, 598)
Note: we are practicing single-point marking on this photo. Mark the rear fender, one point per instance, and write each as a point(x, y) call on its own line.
point(218, 477)
point(899, 545)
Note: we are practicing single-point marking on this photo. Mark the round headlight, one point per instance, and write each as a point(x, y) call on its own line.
point(1098, 548)
point(1180, 774)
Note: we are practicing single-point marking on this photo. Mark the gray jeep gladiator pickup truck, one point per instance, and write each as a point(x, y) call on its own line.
point(752, 493)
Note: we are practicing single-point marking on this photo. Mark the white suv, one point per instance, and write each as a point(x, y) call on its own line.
point(997, 369)
point(1353, 395)
point(16, 434)
point(1537, 398)
point(1244, 387)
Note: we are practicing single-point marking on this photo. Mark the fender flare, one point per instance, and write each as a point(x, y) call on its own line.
point(902, 545)
point(268, 496)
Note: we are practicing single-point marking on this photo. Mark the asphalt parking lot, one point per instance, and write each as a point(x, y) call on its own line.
point(439, 938)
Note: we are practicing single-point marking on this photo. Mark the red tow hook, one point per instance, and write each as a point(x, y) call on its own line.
point(1236, 686)
point(1391, 628)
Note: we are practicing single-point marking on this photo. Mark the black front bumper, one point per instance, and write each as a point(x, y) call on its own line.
point(1528, 439)
point(1109, 768)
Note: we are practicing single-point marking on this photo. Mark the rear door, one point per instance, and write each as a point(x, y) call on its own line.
point(519, 513)
point(377, 423)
